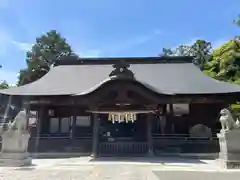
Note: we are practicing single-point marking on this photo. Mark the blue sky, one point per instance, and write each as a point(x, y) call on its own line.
point(112, 27)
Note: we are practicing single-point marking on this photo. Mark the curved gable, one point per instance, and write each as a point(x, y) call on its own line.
point(160, 76)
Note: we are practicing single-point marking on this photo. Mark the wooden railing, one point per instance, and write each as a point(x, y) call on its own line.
point(123, 148)
point(47, 143)
point(50, 136)
point(177, 143)
point(185, 144)
point(169, 143)
point(161, 144)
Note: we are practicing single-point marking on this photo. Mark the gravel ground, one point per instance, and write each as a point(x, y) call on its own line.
point(83, 169)
point(99, 172)
point(194, 175)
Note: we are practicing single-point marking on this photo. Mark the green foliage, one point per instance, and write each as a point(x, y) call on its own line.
point(225, 62)
point(222, 63)
point(200, 50)
point(181, 50)
point(235, 108)
point(4, 85)
point(43, 54)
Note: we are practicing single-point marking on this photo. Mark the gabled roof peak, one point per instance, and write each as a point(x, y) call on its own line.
point(122, 70)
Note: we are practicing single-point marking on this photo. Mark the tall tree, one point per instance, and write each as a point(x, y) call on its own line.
point(200, 50)
point(181, 50)
point(43, 54)
point(225, 62)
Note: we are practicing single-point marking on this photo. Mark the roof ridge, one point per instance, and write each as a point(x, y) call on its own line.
point(72, 60)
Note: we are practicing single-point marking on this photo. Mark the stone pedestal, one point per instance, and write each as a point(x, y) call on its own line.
point(229, 155)
point(14, 149)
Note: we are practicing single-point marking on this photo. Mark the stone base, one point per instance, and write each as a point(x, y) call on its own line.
point(14, 149)
point(15, 159)
point(229, 156)
point(229, 164)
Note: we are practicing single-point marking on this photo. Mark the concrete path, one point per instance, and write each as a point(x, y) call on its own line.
point(85, 168)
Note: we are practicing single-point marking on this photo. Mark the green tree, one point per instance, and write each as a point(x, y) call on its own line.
point(181, 50)
point(225, 62)
point(4, 85)
point(200, 50)
point(43, 54)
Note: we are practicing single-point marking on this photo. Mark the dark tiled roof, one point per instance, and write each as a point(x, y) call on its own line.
point(158, 74)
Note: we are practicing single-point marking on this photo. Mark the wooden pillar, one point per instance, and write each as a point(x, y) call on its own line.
point(95, 137)
point(149, 135)
point(172, 122)
point(73, 123)
point(38, 126)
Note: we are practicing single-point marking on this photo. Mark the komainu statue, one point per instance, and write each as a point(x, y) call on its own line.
point(19, 123)
point(15, 138)
point(227, 121)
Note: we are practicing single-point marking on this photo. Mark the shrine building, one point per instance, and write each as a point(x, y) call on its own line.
point(124, 106)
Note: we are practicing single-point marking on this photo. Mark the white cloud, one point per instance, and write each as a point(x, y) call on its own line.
point(90, 53)
point(23, 46)
point(4, 4)
point(116, 47)
point(129, 43)
point(5, 40)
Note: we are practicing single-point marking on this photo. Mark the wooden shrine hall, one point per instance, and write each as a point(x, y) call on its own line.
point(124, 106)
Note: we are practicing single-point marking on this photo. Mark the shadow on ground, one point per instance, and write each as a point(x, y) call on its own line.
point(57, 156)
point(152, 160)
point(26, 168)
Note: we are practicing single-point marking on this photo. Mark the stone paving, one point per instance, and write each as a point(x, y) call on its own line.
point(100, 172)
point(119, 169)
